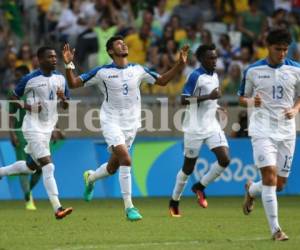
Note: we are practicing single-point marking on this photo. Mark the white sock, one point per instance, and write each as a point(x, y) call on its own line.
point(18, 167)
point(269, 199)
point(125, 184)
point(212, 174)
point(99, 173)
point(50, 185)
point(255, 189)
point(181, 181)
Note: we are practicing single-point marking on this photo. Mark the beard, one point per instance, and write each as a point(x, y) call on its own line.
point(124, 54)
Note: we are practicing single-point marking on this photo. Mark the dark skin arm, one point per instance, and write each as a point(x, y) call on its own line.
point(36, 108)
point(250, 101)
point(215, 94)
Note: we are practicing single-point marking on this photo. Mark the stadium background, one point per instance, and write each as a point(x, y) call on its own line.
point(154, 32)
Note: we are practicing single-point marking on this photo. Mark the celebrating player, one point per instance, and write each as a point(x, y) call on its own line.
point(120, 111)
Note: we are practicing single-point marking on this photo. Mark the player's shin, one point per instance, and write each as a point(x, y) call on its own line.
point(269, 199)
point(19, 167)
point(215, 171)
point(50, 185)
point(255, 188)
point(181, 181)
point(125, 184)
point(99, 173)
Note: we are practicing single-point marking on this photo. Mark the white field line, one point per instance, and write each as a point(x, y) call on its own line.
point(150, 244)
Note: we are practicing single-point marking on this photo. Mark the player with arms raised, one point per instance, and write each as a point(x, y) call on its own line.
point(120, 111)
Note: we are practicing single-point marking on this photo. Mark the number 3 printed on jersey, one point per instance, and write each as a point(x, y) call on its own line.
point(277, 92)
point(125, 89)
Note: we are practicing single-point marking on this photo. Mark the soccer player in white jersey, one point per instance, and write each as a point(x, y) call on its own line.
point(200, 125)
point(120, 111)
point(271, 87)
point(44, 88)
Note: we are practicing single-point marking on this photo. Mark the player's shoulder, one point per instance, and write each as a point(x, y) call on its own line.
point(58, 74)
point(31, 76)
point(292, 63)
point(196, 73)
point(256, 65)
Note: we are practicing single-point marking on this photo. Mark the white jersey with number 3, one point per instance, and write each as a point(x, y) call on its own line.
point(278, 87)
point(121, 89)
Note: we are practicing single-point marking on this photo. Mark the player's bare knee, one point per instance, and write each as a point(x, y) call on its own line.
point(112, 169)
point(224, 162)
point(188, 170)
point(125, 161)
point(189, 165)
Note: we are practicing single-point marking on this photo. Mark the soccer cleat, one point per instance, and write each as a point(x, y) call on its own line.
point(88, 187)
point(248, 204)
point(279, 236)
point(174, 209)
point(63, 212)
point(133, 214)
point(29, 205)
point(200, 196)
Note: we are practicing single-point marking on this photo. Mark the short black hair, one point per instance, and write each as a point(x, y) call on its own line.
point(279, 36)
point(110, 42)
point(201, 51)
point(41, 51)
point(23, 69)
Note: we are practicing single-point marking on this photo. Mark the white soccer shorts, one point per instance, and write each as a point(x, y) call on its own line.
point(268, 152)
point(192, 143)
point(38, 145)
point(115, 136)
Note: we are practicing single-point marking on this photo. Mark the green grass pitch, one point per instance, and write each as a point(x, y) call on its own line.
point(101, 224)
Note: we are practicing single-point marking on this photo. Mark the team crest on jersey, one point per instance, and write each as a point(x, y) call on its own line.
point(285, 76)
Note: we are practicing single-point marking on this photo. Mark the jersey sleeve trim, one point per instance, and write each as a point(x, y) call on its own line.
point(151, 73)
point(191, 83)
point(89, 75)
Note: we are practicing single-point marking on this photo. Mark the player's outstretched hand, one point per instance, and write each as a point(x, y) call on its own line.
point(184, 54)
point(68, 53)
point(215, 94)
point(290, 113)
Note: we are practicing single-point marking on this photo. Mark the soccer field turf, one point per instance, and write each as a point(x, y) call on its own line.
point(101, 224)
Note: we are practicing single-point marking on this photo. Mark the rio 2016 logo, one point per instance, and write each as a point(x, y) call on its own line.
point(236, 171)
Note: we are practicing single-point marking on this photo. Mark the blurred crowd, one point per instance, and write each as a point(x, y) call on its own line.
point(154, 31)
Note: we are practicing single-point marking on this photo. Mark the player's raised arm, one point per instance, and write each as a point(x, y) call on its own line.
point(166, 77)
point(68, 56)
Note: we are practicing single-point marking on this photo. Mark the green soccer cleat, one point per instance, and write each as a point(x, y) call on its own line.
point(88, 187)
point(29, 205)
point(133, 214)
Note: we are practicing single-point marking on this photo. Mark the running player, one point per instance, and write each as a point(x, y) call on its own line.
point(200, 125)
point(270, 87)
